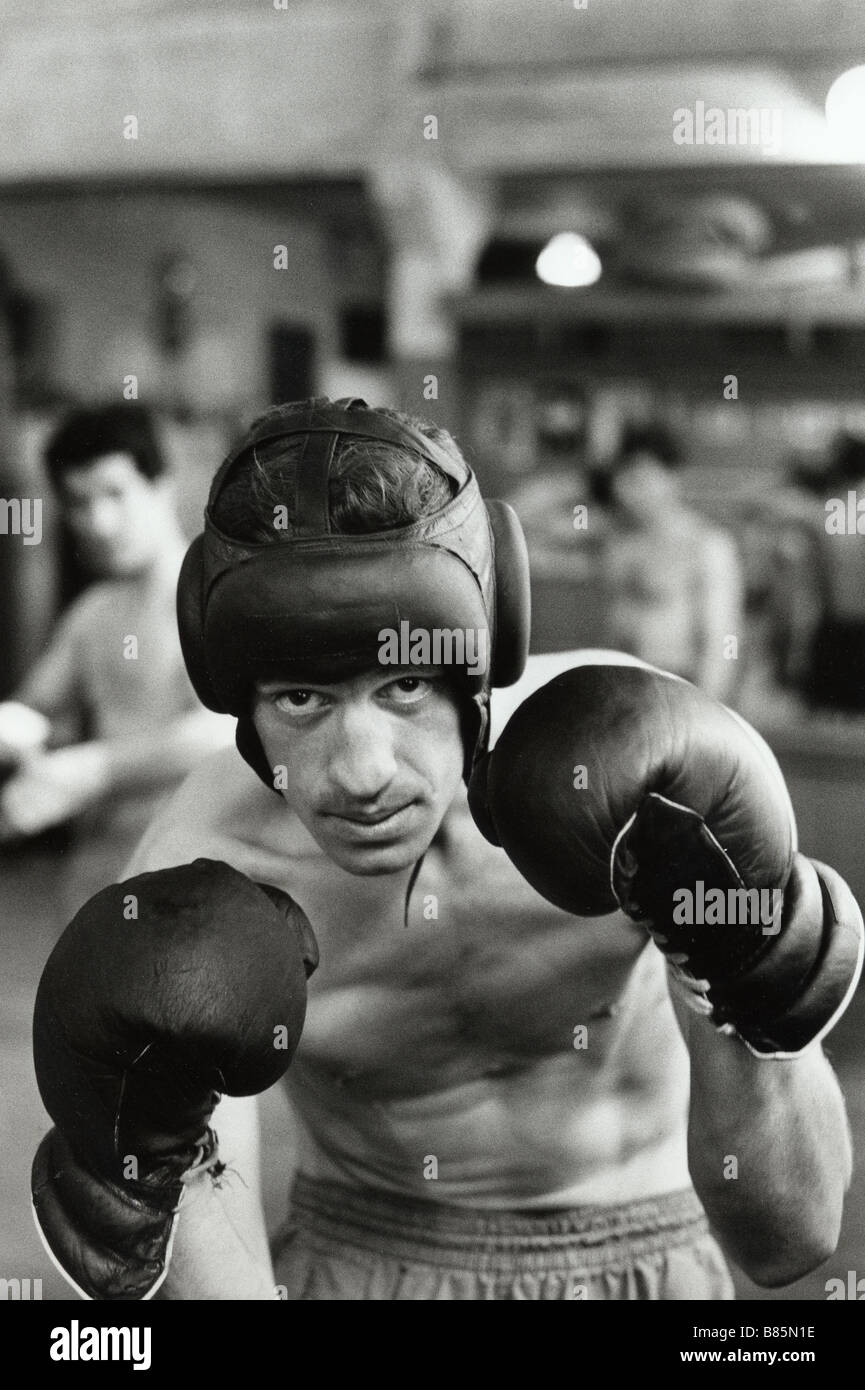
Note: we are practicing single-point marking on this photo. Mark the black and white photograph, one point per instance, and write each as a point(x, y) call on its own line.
point(432, 665)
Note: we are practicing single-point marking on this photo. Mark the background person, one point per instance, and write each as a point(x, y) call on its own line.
point(672, 582)
point(834, 678)
point(106, 722)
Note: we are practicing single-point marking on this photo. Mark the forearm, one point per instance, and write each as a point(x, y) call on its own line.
point(220, 1248)
point(142, 760)
point(49, 788)
point(214, 1256)
point(768, 1150)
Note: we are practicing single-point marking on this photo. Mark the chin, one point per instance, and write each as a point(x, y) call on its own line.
point(368, 861)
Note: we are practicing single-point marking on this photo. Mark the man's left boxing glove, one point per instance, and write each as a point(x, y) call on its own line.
point(622, 786)
point(163, 993)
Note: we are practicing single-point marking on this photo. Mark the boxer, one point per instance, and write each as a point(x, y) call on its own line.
point(523, 1072)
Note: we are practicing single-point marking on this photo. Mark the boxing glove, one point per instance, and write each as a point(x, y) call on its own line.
point(623, 786)
point(163, 993)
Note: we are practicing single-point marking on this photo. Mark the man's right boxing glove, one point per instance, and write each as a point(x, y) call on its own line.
point(163, 993)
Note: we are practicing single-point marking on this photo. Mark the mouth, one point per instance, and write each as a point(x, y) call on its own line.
point(384, 824)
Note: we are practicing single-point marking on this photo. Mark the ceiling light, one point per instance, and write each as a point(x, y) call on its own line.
point(845, 113)
point(568, 260)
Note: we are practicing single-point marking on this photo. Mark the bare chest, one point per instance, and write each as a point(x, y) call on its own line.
point(131, 663)
point(482, 977)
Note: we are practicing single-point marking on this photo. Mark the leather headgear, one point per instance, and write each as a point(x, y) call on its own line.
point(316, 599)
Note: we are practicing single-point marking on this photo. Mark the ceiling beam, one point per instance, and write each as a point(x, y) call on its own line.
point(522, 36)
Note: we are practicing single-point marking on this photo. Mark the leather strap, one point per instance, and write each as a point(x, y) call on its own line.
point(311, 517)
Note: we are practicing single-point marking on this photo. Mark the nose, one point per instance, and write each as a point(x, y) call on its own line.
point(363, 758)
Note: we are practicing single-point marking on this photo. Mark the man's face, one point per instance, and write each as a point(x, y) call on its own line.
point(371, 763)
point(644, 487)
point(115, 514)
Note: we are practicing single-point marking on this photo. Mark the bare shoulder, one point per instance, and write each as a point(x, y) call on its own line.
point(543, 667)
point(223, 811)
point(89, 610)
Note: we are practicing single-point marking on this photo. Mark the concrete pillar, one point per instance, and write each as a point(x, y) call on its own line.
point(436, 223)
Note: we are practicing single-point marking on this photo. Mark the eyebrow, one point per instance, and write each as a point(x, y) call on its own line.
point(384, 673)
point(296, 682)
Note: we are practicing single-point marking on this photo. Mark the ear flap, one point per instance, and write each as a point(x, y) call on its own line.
point(513, 595)
point(249, 747)
point(190, 624)
point(478, 803)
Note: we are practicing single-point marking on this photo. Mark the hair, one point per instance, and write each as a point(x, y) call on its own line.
point(373, 485)
point(656, 440)
point(90, 432)
point(846, 459)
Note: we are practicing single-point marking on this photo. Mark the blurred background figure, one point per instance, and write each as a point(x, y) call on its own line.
point(557, 479)
point(834, 678)
point(672, 582)
point(106, 722)
point(790, 591)
point(815, 637)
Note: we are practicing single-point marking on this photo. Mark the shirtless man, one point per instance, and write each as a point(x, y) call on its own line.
point(106, 724)
point(672, 580)
point(457, 1138)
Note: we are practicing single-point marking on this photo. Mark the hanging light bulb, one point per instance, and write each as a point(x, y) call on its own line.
point(568, 260)
point(845, 113)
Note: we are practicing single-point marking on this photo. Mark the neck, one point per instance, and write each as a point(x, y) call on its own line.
point(164, 564)
point(655, 523)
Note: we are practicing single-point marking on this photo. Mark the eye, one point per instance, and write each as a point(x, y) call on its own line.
point(408, 690)
point(297, 700)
